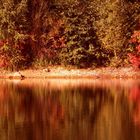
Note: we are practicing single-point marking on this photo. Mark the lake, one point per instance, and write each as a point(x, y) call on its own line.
point(69, 109)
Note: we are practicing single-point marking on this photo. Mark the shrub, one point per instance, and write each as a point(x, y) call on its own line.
point(15, 52)
point(134, 44)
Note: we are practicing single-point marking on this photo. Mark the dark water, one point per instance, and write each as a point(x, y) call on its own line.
point(70, 110)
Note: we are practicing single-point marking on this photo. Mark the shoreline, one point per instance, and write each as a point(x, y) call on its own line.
point(61, 72)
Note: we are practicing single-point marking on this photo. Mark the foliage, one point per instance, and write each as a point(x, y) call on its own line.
point(106, 25)
point(13, 17)
point(134, 55)
point(83, 33)
point(114, 24)
point(47, 32)
point(13, 27)
point(82, 44)
point(13, 54)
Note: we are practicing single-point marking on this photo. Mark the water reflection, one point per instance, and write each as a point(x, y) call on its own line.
point(70, 109)
point(135, 98)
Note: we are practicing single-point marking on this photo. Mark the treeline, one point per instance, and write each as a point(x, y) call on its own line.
point(84, 33)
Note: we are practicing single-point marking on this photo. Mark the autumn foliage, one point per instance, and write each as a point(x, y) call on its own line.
point(80, 33)
point(134, 56)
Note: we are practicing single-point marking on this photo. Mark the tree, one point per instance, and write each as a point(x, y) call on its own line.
point(82, 44)
point(114, 25)
point(83, 32)
point(13, 30)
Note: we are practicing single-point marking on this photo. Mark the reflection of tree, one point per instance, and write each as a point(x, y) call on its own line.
point(28, 109)
point(114, 121)
point(35, 112)
point(84, 107)
point(135, 97)
point(101, 113)
point(89, 101)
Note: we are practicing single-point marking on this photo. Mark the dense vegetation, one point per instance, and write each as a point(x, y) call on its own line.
point(84, 33)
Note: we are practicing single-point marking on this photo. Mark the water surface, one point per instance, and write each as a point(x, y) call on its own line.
point(70, 109)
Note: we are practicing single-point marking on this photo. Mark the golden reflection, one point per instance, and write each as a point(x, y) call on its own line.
point(135, 99)
point(69, 109)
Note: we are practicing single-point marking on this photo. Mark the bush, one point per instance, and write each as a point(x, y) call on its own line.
point(78, 56)
point(134, 55)
point(15, 53)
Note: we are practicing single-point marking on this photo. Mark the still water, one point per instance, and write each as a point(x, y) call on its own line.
point(66, 109)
